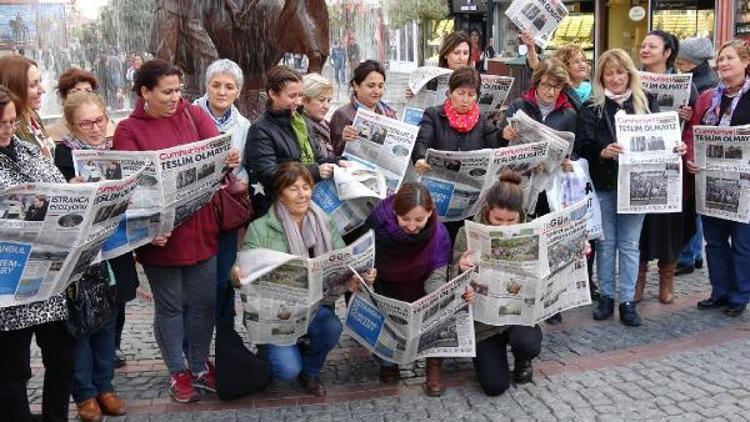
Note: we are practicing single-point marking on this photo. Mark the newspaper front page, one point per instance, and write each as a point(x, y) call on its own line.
point(52, 232)
point(671, 90)
point(494, 92)
point(176, 183)
point(437, 325)
point(722, 188)
point(541, 17)
point(281, 293)
point(649, 177)
point(567, 188)
point(529, 272)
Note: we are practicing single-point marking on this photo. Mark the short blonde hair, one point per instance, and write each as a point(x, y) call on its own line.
point(618, 58)
point(76, 100)
point(552, 68)
point(741, 47)
point(568, 52)
point(314, 85)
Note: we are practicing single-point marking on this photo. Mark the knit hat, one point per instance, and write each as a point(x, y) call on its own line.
point(696, 50)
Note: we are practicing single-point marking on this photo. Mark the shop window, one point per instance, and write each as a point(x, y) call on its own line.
point(684, 18)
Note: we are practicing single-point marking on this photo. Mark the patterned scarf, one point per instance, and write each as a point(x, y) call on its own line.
point(461, 123)
point(225, 122)
point(712, 115)
point(380, 108)
point(74, 144)
point(303, 138)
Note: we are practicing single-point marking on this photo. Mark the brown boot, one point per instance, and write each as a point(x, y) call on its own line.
point(89, 411)
point(434, 386)
point(666, 281)
point(640, 283)
point(389, 374)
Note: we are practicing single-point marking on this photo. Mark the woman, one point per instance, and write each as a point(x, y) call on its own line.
point(281, 134)
point(317, 93)
point(476, 49)
point(23, 78)
point(504, 206)
point(579, 71)
point(412, 253)
point(664, 235)
point(21, 162)
point(617, 86)
point(93, 391)
point(177, 264)
point(223, 86)
point(70, 81)
point(368, 84)
point(726, 241)
point(295, 225)
point(455, 52)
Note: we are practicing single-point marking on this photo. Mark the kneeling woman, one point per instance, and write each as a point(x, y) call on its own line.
point(296, 226)
point(503, 207)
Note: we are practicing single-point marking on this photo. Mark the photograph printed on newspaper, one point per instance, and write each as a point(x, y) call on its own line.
point(672, 90)
point(649, 177)
point(440, 324)
point(541, 17)
point(567, 188)
point(722, 187)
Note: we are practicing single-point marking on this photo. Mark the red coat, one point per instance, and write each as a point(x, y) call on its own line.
point(197, 238)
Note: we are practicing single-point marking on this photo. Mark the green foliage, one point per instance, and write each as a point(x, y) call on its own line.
point(421, 11)
point(127, 24)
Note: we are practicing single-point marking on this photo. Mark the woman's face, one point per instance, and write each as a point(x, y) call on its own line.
point(458, 57)
point(34, 88)
point(222, 91)
point(317, 107)
point(502, 217)
point(615, 78)
point(90, 124)
point(579, 68)
point(685, 66)
point(163, 99)
point(38, 202)
point(652, 51)
point(7, 124)
point(731, 66)
point(548, 90)
point(463, 98)
point(289, 98)
point(296, 197)
point(414, 221)
point(474, 38)
point(371, 90)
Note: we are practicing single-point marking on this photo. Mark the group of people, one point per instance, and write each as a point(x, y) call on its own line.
point(292, 146)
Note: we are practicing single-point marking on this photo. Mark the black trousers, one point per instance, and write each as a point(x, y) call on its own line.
point(58, 356)
point(491, 363)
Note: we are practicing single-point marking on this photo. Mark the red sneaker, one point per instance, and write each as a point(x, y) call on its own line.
point(206, 379)
point(181, 388)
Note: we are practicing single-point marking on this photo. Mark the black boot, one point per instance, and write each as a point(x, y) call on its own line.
point(628, 315)
point(605, 309)
point(554, 319)
point(523, 372)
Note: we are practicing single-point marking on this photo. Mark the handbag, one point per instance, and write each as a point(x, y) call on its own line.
point(90, 302)
point(231, 204)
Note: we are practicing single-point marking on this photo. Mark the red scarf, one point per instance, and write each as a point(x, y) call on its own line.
point(560, 104)
point(462, 123)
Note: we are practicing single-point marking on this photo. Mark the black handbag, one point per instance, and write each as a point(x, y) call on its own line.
point(90, 302)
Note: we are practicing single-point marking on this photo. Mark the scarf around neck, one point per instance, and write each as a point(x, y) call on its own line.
point(74, 143)
point(225, 122)
point(313, 236)
point(303, 138)
point(461, 123)
point(712, 114)
point(618, 98)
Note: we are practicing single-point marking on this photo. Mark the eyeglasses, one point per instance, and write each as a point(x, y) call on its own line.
point(547, 86)
point(10, 125)
point(100, 121)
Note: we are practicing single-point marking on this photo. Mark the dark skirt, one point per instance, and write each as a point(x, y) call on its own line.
point(665, 235)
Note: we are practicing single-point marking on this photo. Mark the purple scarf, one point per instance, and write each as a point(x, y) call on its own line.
point(712, 115)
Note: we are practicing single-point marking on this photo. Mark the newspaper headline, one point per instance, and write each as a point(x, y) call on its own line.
point(672, 90)
point(541, 17)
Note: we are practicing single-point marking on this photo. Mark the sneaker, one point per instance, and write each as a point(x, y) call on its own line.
point(181, 388)
point(206, 379)
point(628, 315)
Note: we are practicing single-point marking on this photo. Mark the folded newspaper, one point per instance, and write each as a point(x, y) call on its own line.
point(438, 325)
point(176, 183)
point(649, 176)
point(722, 188)
point(52, 232)
point(672, 90)
point(529, 272)
point(567, 188)
point(541, 17)
point(356, 181)
point(281, 293)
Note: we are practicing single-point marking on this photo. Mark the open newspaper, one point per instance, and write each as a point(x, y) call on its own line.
point(567, 188)
point(176, 183)
point(384, 147)
point(722, 188)
point(51, 232)
point(671, 90)
point(438, 325)
point(281, 293)
point(529, 272)
point(541, 17)
point(649, 177)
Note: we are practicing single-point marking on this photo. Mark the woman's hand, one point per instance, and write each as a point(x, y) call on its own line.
point(685, 112)
point(466, 262)
point(421, 166)
point(235, 276)
point(469, 295)
point(510, 133)
point(528, 39)
point(567, 165)
point(352, 284)
point(350, 133)
point(409, 93)
point(692, 168)
point(77, 179)
point(612, 151)
point(325, 170)
point(233, 158)
point(681, 149)
point(370, 276)
point(587, 248)
point(343, 163)
point(161, 240)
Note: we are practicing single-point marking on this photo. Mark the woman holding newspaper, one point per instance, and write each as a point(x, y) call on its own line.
point(181, 265)
point(727, 242)
point(295, 225)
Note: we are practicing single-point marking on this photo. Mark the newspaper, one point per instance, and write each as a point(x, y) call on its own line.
point(649, 176)
point(437, 325)
point(281, 293)
point(567, 188)
point(52, 232)
point(529, 272)
point(541, 17)
point(671, 90)
point(494, 92)
point(356, 181)
point(722, 188)
point(176, 183)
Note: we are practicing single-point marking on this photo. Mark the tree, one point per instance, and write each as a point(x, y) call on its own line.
point(423, 12)
point(126, 24)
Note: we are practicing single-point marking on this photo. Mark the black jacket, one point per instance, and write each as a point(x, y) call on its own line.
point(704, 77)
point(435, 132)
point(596, 130)
point(561, 118)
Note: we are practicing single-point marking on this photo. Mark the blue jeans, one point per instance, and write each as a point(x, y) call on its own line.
point(622, 234)
point(287, 362)
point(693, 250)
point(224, 261)
point(728, 257)
point(94, 367)
point(338, 71)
